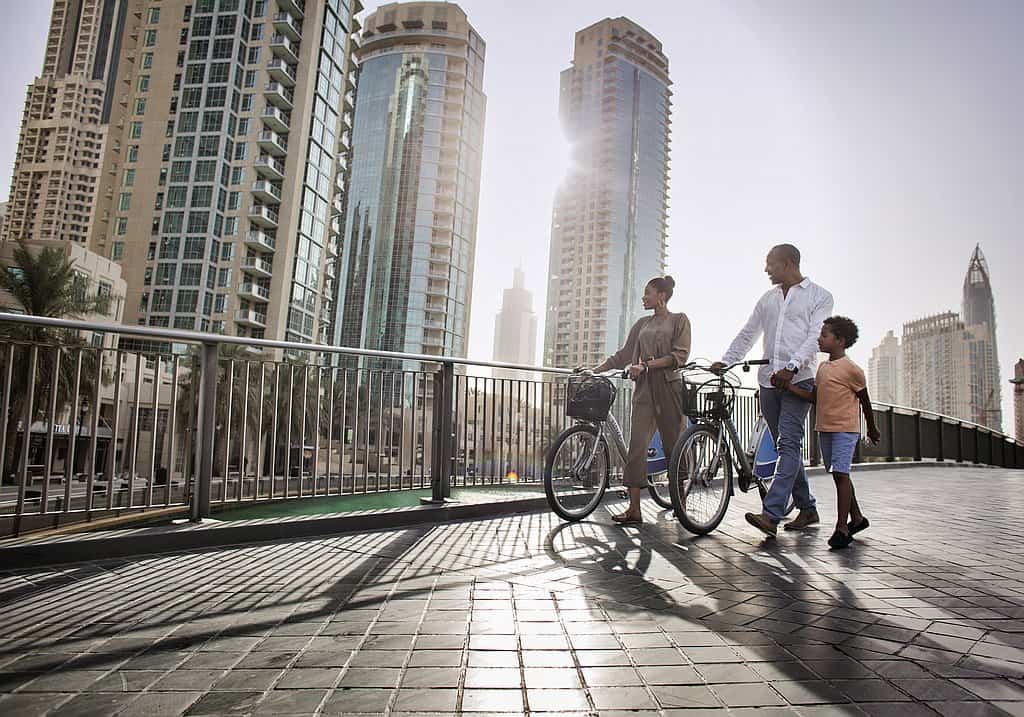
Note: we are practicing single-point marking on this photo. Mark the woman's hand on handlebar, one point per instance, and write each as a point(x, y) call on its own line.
point(635, 371)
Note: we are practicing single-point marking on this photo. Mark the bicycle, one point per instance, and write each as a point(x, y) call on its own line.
point(577, 468)
point(706, 454)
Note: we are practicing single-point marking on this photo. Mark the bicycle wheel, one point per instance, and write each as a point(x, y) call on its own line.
point(699, 497)
point(572, 488)
point(657, 485)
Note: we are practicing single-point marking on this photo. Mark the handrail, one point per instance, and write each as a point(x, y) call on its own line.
point(199, 337)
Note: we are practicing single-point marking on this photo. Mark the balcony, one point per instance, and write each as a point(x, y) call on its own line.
point(254, 292)
point(257, 267)
point(288, 26)
point(263, 216)
point(272, 143)
point(260, 241)
point(248, 317)
point(281, 71)
point(279, 96)
point(295, 8)
point(275, 119)
point(267, 166)
point(284, 48)
point(266, 192)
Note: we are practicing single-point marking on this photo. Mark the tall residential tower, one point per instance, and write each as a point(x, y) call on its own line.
point(406, 271)
point(224, 176)
point(885, 371)
point(608, 227)
point(64, 124)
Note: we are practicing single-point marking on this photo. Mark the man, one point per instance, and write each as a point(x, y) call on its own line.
point(789, 316)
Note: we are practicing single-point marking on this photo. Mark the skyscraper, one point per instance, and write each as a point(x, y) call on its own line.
point(64, 124)
point(515, 328)
point(608, 227)
point(885, 371)
point(935, 365)
point(979, 315)
point(1018, 399)
point(406, 271)
point(225, 168)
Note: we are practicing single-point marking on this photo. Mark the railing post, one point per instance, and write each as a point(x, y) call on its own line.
point(959, 441)
point(992, 449)
point(977, 445)
point(917, 436)
point(942, 445)
point(813, 446)
point(441, 460)
point(206, 418)
point(890, 423)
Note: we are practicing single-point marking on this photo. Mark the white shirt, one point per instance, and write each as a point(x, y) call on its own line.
point(790, 324)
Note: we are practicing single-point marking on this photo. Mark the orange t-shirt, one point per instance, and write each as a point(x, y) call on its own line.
point(838, 407)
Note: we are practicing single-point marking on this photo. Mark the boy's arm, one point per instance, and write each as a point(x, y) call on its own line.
point(806, 395)
point(869, 415)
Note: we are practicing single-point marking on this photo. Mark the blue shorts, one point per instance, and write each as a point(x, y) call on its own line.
point(837, 450)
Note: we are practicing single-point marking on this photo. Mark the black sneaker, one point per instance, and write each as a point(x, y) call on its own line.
point(854, 529)
point(838, 541)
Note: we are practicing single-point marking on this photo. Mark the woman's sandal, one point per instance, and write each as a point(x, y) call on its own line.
point(626, 519)
point(854, 529)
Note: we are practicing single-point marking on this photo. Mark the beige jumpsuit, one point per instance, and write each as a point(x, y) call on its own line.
point(657, 399)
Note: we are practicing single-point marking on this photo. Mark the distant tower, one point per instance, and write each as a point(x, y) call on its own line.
point(515, 328)
point(885, 371)
point(935, 365)
point(979, 316)
point(1018, 398)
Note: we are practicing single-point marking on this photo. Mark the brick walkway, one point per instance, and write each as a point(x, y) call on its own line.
point(923, 615)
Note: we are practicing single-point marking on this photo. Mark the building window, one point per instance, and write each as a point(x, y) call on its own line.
point(161, 300)
point(187, 301)
point(140, 106)
point(124, 202)
point(117, 251)
point(136, 130)
point(129, 178)
point(254, 56)
point(165, 274)
point(191, 274)
point(121, 226)
point(206, 170)
point(195, 247)
point(223, 49)
point(149, 38)
point(153, 16)
point(220, 72)
point(212, 120)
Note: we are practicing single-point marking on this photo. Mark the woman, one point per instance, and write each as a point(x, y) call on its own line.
point(655, 348)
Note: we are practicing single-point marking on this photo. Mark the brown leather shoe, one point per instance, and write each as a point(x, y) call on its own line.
point(806, 519)
point(763, 523)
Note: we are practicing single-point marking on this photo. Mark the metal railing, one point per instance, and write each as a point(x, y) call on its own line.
point(101, 419)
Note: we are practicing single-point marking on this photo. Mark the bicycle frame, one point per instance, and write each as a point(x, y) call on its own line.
point(618, 442)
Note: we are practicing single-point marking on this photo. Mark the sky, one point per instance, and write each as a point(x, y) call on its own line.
point(882, 137)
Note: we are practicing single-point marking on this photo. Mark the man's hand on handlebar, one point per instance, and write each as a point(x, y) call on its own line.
point(718, 368)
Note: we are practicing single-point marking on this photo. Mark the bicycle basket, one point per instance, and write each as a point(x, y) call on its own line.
point(589, 398)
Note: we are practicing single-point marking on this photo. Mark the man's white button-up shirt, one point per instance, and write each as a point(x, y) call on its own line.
point(790, 325)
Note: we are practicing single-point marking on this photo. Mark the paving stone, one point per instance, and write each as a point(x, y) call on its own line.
point(358, 700)
point(222, 703)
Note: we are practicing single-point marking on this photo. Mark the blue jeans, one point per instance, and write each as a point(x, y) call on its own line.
point(786, 414)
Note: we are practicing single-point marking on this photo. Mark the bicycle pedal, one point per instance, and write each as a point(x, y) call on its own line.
point(744, 484)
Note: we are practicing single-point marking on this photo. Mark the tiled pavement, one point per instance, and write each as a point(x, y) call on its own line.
point(923, 615)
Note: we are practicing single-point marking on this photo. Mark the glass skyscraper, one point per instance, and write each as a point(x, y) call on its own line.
point(608, 230)
point(406, 268)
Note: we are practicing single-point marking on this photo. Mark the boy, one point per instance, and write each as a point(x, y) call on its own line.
point(839, 387)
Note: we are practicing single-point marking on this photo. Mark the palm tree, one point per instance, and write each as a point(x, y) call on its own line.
point(45, 283)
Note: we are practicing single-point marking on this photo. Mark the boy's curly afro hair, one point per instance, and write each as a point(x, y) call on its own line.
point(843, 328)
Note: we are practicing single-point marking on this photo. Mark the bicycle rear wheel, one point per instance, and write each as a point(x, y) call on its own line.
point(573, 488)
point(657, 485)
point(700, 496)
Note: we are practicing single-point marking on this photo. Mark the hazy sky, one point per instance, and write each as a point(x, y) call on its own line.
point(885, 138)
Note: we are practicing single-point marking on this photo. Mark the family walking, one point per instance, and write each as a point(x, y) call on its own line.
point(795, 320)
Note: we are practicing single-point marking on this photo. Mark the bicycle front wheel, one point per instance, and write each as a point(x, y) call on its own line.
point(575, 473)
point(657, 484)
point(700, 481)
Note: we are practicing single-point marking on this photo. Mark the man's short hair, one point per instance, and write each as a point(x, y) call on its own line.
point(843, 328)
point(788, 252)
